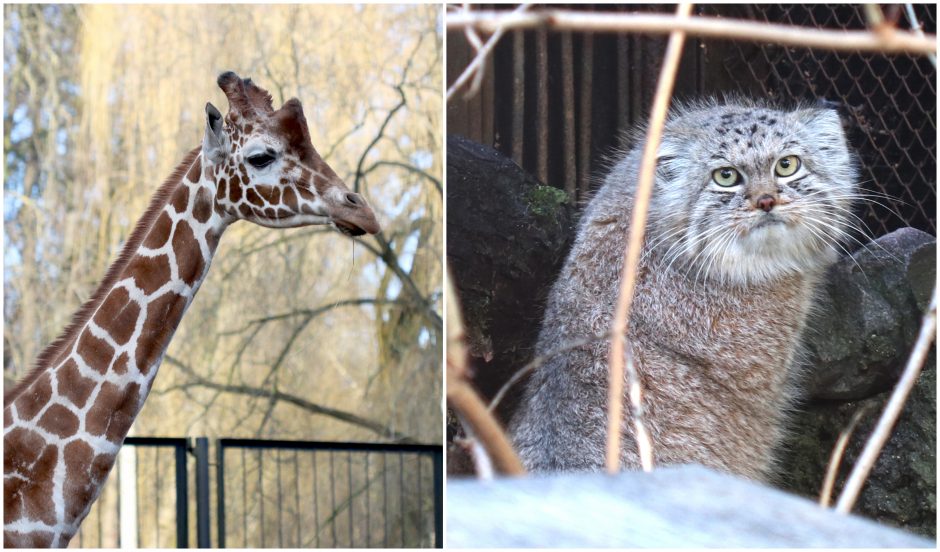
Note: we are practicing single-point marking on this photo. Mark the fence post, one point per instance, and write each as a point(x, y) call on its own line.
point(439, 498)
point(182, 497)
point(203, 538)
point(220, 490)
point(127, 481)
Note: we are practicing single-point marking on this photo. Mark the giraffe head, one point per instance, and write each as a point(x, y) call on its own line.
point(266, 169)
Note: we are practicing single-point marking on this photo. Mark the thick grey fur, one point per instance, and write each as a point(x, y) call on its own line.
point(723, 292)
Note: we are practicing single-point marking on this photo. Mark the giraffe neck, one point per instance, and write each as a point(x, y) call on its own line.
point(62, 430)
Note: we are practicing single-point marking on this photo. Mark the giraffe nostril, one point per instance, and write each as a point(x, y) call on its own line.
point(354, 199)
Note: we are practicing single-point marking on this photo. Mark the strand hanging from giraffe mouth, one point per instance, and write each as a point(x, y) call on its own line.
point(349, 229)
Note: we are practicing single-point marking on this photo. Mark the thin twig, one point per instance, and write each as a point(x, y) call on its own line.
point(461, 396)
point(699, 26)
point(835, 459)
point(917, 28)
point(882, 431)
point(541, 359)
point(478, 62)
point(667, 78)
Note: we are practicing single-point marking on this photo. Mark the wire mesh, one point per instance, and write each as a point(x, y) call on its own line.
point(888, 104)
point(557, 102)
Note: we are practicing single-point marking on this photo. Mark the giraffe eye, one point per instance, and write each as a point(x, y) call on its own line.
point(787, 166)
point(261, 160)
point(726, 177)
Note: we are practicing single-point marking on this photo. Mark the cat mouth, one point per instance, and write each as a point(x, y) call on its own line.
point(767, 220)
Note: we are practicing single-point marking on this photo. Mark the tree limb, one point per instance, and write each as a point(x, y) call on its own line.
point(348, 417)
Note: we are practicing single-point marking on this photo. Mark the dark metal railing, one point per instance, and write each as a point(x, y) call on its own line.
point(359, 509)
point(272, 493)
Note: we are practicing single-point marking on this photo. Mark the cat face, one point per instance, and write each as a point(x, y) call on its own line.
point(747, 194)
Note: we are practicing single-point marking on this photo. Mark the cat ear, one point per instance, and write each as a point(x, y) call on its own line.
point(824, 123)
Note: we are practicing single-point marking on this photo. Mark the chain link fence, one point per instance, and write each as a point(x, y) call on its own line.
point(558, 102)
point(888, 104)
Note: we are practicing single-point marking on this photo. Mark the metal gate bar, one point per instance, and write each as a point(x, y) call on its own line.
point(180, 446)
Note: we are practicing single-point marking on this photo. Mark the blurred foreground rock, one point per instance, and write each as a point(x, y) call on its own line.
point(674, 507)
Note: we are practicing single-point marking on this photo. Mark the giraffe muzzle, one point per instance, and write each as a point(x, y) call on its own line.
point(354, 217)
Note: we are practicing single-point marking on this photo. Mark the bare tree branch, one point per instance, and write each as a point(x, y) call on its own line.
point(699, 26)
point(199, 381)
point(409, 168)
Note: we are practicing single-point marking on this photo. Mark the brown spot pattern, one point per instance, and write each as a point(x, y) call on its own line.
point(290, 199)
point(254, 198)
point(113, 411)
point(118, 315)
point(120, 365)
point(220, 193)
point(195, 173)
point(212, 238)
point(160, 232)
point(188, 258)
point(95, 352)
point(180, 200)
point(306, 194)
point(150, 273)
point(319, 183)
point(235, 190)
point(163, 316)
point(31, 401)
point(73, 385)
point(79, 487)
point(202, 206)
point(36, 539)
point(26, 453)
point(59, 420)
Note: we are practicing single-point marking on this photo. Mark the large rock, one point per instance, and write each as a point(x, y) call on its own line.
point(868, 316)
point(902, 487)
point(507, 237)
point(860, 339)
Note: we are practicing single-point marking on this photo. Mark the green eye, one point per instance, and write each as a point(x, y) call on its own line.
point(726, 176)
point(787, 166)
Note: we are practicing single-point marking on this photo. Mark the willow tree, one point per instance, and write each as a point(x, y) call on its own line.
point(291, 326)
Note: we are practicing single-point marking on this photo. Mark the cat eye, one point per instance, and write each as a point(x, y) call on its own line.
point(261, 160)
point(787, 166)
point(726, 176)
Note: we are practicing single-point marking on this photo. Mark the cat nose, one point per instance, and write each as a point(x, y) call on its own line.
point(766, 203)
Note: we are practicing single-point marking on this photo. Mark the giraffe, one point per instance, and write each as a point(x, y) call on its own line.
point(66, 420)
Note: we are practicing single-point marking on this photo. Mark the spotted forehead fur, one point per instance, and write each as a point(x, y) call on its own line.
point(747, 134)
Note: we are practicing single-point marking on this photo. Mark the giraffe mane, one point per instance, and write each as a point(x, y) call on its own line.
point(51, 353)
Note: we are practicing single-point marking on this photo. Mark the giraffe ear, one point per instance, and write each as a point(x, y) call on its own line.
point(214, 140)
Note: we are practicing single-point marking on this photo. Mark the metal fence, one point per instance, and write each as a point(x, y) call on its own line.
point(296, 494)
point(557, 102)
